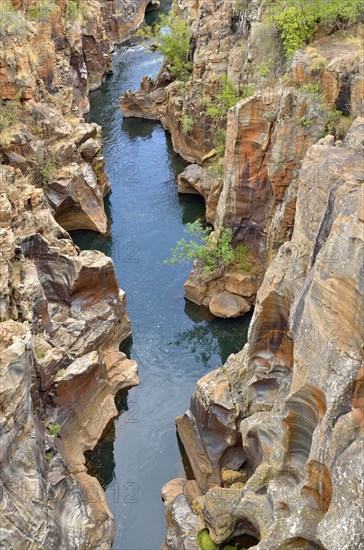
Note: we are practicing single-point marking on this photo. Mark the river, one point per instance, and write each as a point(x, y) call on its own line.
point(174, 342)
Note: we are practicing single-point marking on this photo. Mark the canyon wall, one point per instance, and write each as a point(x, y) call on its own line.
point(250, 184)
point(62, 313)
point(275, 436)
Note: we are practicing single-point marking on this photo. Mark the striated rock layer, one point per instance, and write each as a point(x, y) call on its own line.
point(275, 437)
point(62, 313)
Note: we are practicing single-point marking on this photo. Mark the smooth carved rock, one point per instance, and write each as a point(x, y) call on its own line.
point(77, 200)
point(293, 393)
point(71, 306)
point(227, 304)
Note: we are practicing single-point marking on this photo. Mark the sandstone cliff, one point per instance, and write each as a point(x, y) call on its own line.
point(62, 313)
point(273, 438)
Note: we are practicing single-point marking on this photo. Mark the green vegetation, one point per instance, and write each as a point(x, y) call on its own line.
point(337, 124)
point(49, 170)
point(60, 373)
point(216, 169)
point(171, 37)
point(220, 142)
point(9, 113)
point(306, 122)
point(40, 353)
point(48, 456)
point(54, 428)
point(75, 10)
point(98, 167)
point(41, 10)
point(311, 89)
point(228, 96)
point(240, 259)
point(12, 21)
point(187, 123)
point(214, 250)
point(264, 69)
point(298, 20)
point(271, 116)
point(205, 541)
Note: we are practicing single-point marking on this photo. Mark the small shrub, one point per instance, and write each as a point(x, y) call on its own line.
point(215, 250)
point(187, 123)
point(337, 124)
point(60, 373)
point(12, 21)
point(240, 260)
point(54, 429)
point(9, 113)
point(40, 353)
point(317, 61)
point(306, 122)
point(216, 170)
point(48, 456)
point(205, 542)
point(41, 10)
point(311, 89)
point(76, 10)
point(264, 69)
point(49, 170)
point(228, 96)
point(220, 142)
point(271, 116)
point(298, 20)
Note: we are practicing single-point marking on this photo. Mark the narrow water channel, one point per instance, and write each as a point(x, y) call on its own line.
point(174, 342)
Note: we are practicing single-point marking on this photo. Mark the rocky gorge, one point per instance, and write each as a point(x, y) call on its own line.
point(274, 438)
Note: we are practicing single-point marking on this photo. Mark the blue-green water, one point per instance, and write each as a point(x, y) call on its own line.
point(174, 342)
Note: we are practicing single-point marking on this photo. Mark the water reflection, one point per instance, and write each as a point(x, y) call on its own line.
point(100, 462)
point(210, 337)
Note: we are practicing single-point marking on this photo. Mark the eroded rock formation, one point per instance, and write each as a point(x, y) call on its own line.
point(284, 415)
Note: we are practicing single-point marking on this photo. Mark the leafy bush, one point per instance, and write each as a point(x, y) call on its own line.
point(75, 10)
point(41, 10)
point(187, 123)
point(215, 250)
point(298, 20)
point(49, 170)
point(205, 541)
point(220, 142)
point(227, 97)
point(337, 124)
point(9, 113)
point(54, 428)
point(40, 353)
point(171, 37)
point(306, 122)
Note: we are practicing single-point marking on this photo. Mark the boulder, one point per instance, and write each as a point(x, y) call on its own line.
point(228, 305)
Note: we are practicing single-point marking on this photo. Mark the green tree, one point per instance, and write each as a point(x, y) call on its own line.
point(298, 20)
point(214, 250)
point(171, 37)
